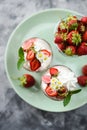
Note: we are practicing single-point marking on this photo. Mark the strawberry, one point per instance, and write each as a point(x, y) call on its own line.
point(62, 27)
point(81, 27)
point(46, 78)
point(46, 52)
point(27, 80)
point(61, 46)
point(84, 19)
point(50, 92)
point(72, 24)
point(54, 71)
point(84, 70)
point(30, 55)
point(84, 37)
point(35, 64)
point(69, 18)
point(82, 49)
point(74, 38)
point(70, 50)
point(58, 39)
point(28, 44)
point(82, 80)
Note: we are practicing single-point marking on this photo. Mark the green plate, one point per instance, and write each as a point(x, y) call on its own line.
point(42, 25)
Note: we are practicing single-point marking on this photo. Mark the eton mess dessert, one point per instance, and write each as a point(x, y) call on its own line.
point(34, 55)
point(59, 82)
point(71, 36)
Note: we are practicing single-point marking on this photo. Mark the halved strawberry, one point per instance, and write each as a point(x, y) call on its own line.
point(35, 64)
point(46, 52)
point(28, 44)
point(70, 50)
point(46, 78)
point(54, 71)
point(84, 37)
point(30, 55)
point(84, 19)
point(50, 92)
point(27, 80)
point(74, 38)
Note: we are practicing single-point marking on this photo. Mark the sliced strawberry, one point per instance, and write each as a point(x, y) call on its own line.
point(70, 50)
point(84, 19)
point(46, 52)
point(28, 44)
point(84, 38)
point(54, 71)
point(27, 80)
point(84, 70)
point(30, 55)
point(46, 78)
point(35, 64)
point(74, 38)
point(50, 92)
point(82, 80)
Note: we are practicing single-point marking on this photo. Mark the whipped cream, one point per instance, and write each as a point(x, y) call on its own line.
point(65, 77)
point(45, 60)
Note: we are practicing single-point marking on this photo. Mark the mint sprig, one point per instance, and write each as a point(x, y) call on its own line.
point(21, 59)
point(68, 97)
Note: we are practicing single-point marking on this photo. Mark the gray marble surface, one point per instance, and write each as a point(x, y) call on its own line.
point(15, 114)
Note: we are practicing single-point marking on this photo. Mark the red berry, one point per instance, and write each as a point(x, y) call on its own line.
point(27, 80)
point(70, 50)
point(35, 64)
point(72, 24)
point(46, 52)
point(50, 92)
point(46, 78)
point(84, 70)
point(58, 39)
point(53, 71)
point(30, 55)
point(28, 44)
point(82, 49)
point(74, 38)
point(84, 37)
point(84, 19)
point(82, 80)
point(61, 46)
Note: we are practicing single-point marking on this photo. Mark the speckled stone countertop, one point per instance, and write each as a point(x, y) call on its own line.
point(15, 114)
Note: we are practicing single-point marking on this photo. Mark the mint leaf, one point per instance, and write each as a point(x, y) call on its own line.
point(21, 52)
point(21, 60)
point(75, 91)
point(20, 63)
point(66, 100)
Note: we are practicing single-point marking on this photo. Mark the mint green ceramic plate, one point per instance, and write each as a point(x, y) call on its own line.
point(42, 25)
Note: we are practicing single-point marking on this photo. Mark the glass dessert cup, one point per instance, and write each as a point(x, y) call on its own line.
point(37, 54)
point(69, 36)
point(57, 81)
